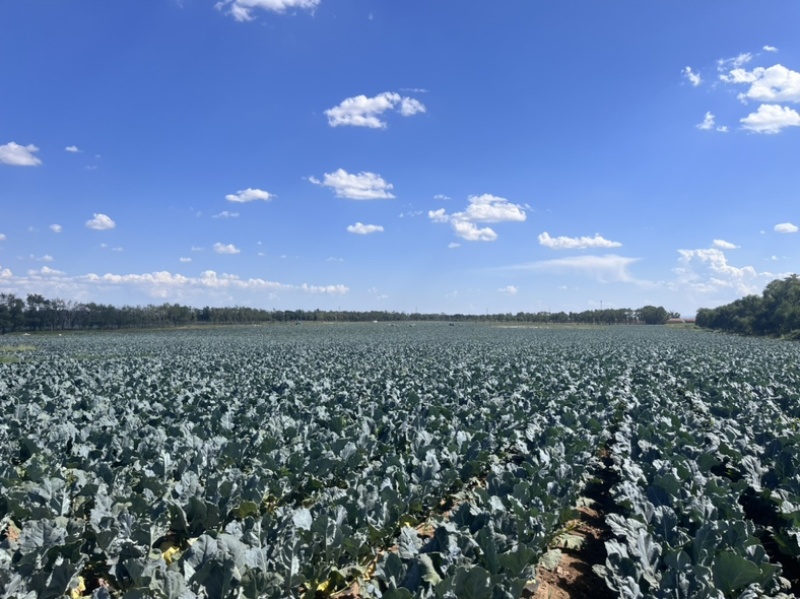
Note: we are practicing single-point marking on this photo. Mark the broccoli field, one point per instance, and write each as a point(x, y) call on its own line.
point(395, 461)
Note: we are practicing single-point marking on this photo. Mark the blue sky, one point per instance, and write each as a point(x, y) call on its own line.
point(447, 156)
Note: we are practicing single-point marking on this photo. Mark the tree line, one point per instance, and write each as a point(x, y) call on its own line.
point(37, 313)
point(776, 312)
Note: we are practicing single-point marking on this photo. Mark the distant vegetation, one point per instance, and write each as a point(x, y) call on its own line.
point(776, 312)
point(37, 313)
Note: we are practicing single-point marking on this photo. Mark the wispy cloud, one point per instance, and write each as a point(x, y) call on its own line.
point(17, 155)
point(226, 214)
point(579, 243)
point(509, 290)
point(725, 245)
point(73, 149)
point(694, 78)
point(361, 111)
point(242, 10)
point(55, 228)
point(361, 186)
point(610, 268)
point(709, 124)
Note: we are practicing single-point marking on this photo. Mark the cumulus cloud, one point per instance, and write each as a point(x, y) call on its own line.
point(242, 10)
point(484, 208)
point(708, 270)
point(694, 78)
point(725, 245)
point(100, 222)
point(771, 119)
point(249, 195)
point(226, 214)
point(786, 228)
point(509, 290)
point(362, 229)
point(55, 228)
point(769, 49)
point(17, 155)
point(72, 149)
point(442, 197)
point(363, 186)
point(229, 248)
point(184, 260)
point(771, 84)
point(361, 111)
point(576, 243)
point(471, 232)
point(610, 268)
point(453, 245)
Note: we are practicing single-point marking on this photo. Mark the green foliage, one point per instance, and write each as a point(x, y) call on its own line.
point(429, 461)
point(775, 313)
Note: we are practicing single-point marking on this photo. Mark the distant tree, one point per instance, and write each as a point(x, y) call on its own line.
point(653, 315)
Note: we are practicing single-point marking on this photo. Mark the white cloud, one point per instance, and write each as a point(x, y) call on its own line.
point(576, 243)
point(735, 62)
point(769, 49)
point(100, 222)
point(161, 284)
point(471, 232)
point(786, 228)
point(771, 118)
point(249, 195)
point(708, 271)
point(724, 245)
point(485, 208)
point(45, 258)
point(362, 229)
point(222, 248)
point(605, 269)
point(196, 248)
point(226, 214)
point(55, 228)
point(771, 84)
point(694, 78)
point(184, 260)
point(453, 245)
point(17, 155)
point(242, 10)
point(492, 209)
point(45, 271)
point(509, 290)
point(2, 236)
point(361, 111)
point(363, 186)
point(72, 149)
point(334, 259)
point(441, 196)
point(709, 124)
